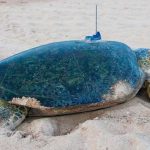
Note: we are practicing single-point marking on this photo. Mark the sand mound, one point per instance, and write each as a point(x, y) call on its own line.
point(126, 126)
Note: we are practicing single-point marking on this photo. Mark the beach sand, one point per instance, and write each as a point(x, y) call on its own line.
point(29, 23)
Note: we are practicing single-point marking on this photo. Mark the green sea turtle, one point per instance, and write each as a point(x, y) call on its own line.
point(69, 77)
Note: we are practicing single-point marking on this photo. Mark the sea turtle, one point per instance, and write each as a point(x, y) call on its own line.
point(69, 77)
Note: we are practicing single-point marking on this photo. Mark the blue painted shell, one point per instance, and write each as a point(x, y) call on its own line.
point(70, 73)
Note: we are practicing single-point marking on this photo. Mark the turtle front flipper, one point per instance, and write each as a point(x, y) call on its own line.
point(148, 88)
point(11, 115)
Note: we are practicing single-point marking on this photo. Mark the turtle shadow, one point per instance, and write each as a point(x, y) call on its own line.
point(67, 123)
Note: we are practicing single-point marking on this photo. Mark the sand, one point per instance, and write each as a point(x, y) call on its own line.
point(25, 24)
point(126, 126)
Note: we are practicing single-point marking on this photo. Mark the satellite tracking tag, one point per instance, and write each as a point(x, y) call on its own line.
point(97, 35)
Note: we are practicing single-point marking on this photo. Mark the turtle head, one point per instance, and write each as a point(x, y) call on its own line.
point(11, 115)
point(143, 58)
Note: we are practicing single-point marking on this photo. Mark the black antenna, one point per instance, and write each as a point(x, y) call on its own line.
point(96, 18)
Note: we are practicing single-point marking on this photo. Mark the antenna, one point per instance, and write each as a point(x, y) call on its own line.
point(96, 18)
point(97, 35)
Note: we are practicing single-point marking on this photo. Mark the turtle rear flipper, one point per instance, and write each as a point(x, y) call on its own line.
point(11, 115)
